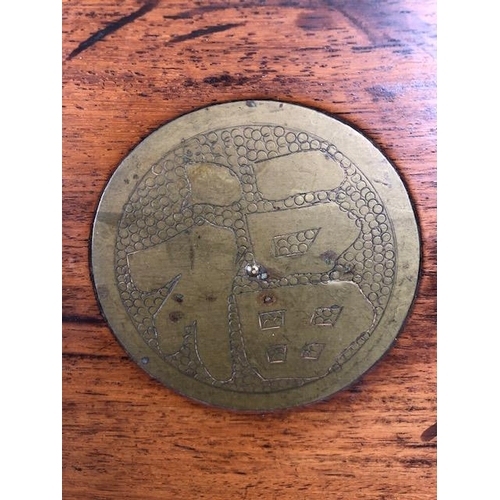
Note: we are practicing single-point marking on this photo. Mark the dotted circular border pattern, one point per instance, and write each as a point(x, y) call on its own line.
point(145, 204)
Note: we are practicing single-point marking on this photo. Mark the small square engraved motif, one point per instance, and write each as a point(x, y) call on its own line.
point(326, 316)
point(312, 351)
point(270, 320)
point(276, 353)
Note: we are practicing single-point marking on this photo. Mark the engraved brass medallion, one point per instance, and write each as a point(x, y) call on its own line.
point(255, 255)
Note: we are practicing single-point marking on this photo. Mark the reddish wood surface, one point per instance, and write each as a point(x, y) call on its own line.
point(369, 62)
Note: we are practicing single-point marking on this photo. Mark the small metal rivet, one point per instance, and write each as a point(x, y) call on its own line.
point(252, 270)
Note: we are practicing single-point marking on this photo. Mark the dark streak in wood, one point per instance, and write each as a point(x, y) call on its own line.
point(204, 32)
point(185, 447)
point(316, 20)
point(189, 14)
point(381, 92)
point(429, 433)
point(226, 80)
point(349, 12)
point(82, 319)
point(79, 355)
point(112, 27)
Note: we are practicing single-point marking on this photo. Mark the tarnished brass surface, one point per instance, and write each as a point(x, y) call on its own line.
point(255, 255)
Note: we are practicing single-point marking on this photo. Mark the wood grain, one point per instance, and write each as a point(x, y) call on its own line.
point(129, 67)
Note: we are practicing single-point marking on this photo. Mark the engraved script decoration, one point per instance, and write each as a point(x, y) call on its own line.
point(258, 194)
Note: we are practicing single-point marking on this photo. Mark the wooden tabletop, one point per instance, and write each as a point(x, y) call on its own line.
point(129, 67)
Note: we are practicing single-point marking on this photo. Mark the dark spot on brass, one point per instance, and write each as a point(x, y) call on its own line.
point(178, 297)
point(273, 273)
point(135, 177)
point(191, 256)
point(329, 257)
point(126, 181)
point(211, 298)
point(175, 316)
point(266, 298)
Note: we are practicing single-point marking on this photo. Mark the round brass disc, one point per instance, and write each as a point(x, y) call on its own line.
point(255, 255)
